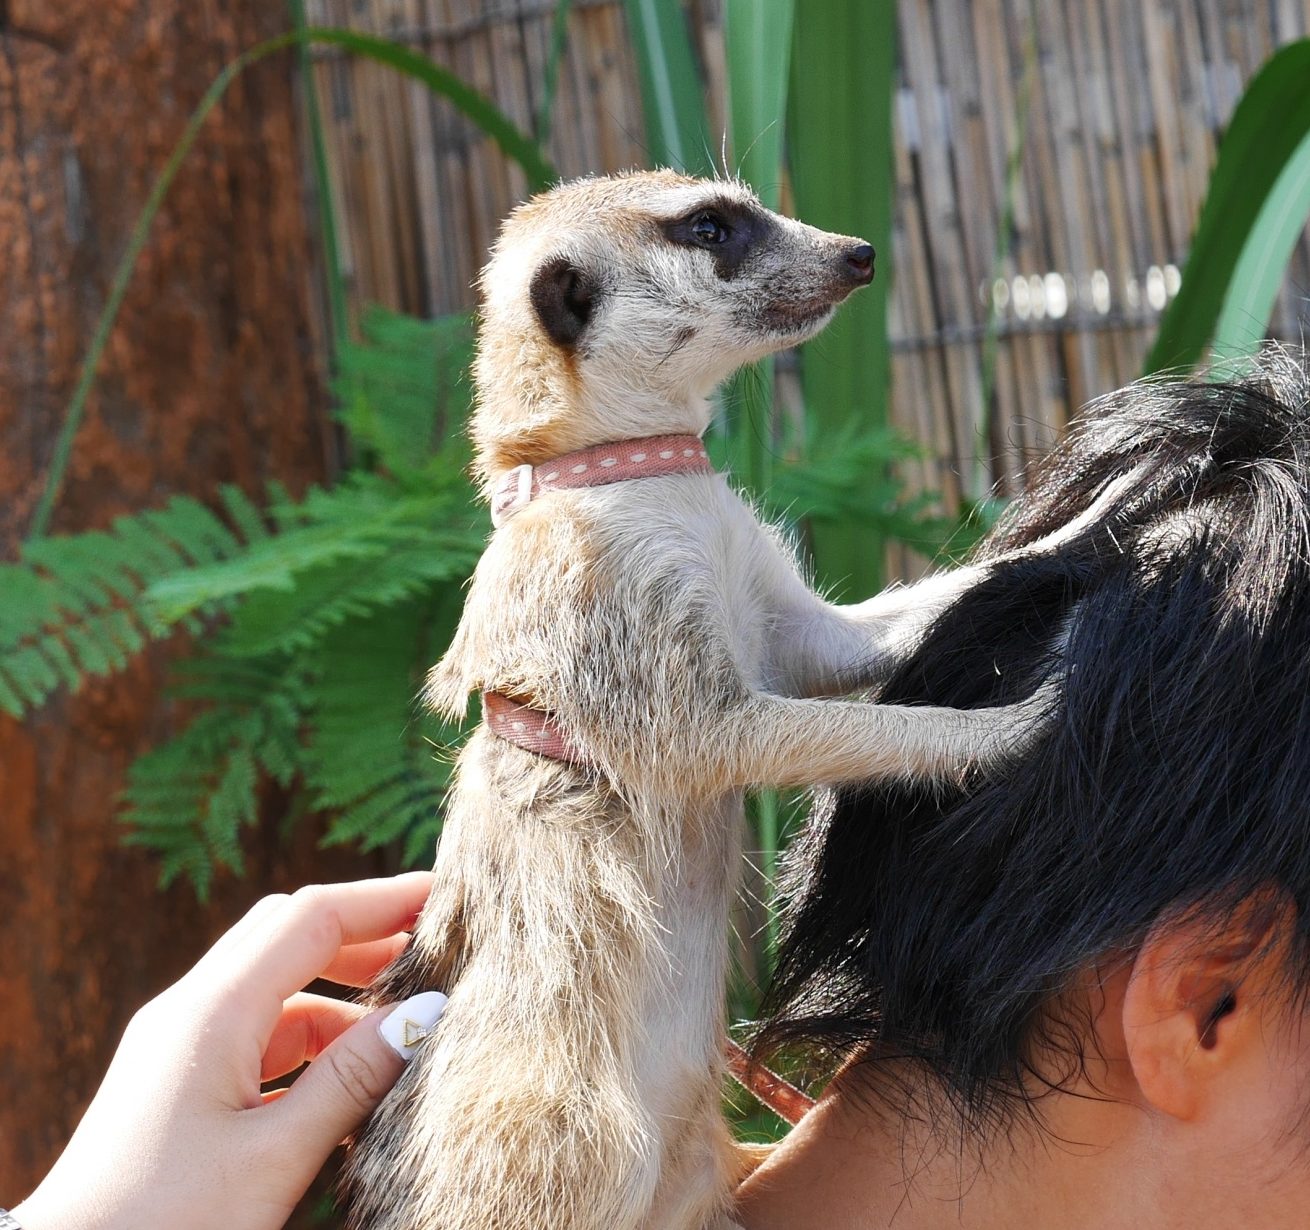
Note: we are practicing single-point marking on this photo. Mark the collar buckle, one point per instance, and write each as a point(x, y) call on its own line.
point(512, 493)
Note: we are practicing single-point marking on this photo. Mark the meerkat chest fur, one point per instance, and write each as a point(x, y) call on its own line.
point(629, 613)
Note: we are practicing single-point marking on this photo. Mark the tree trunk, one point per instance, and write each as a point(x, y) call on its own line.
point(210, 377)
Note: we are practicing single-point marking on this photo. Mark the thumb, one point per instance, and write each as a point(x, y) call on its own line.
point(344, 1085)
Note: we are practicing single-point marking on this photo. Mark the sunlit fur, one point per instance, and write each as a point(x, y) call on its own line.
point(668, 332)
point(579, 918)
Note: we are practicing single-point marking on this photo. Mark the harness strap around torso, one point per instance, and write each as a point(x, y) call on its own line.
point(531, 729)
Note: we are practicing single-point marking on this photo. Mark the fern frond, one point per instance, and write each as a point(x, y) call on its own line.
point(341, 718)
point(334, 605)
point(248, 520)
point(849, 478)
point(285, 511)
point(74, 605)
point(372, 756)
point(404, 390)
point(189, 798)
point(345, 590)
point(356, 528)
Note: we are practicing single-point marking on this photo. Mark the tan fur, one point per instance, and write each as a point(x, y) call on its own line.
point(579, 916)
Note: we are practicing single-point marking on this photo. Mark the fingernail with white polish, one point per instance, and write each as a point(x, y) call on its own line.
point(411, 1022)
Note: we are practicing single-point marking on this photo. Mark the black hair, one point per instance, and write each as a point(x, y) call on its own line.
point(943, 924)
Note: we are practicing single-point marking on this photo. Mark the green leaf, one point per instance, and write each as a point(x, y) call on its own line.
point(75, 605)
point(372, 756)
point(1264, 140)
point(848, 479)
point(514, 143)
point(405, 392)
point(338, 603)
point(334, 279)
point(672, 96)
point(95, 657)
point(188, 799)
point(758, 36)
point(269, 565)
point(246, 518)
point(758, 49)
point(10, 701)
point(364, 518)
point(840, 143)
point(230, 806)
point(1262, 267)
point(342, 591)
point(559, 38)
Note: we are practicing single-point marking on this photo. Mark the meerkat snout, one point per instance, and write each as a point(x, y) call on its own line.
point(613, 307)
point(859, 260)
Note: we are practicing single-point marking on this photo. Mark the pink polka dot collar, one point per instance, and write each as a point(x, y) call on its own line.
point(653, 457)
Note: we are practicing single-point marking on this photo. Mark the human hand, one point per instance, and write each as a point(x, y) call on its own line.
point(179, 1133)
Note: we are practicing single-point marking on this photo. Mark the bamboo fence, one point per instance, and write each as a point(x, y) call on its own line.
point(1108, 111)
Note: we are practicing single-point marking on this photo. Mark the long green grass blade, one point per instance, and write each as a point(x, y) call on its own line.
point(559, 41)
point(840, 143)
point(758, 36)
point(991, 347)
point(1268, 128)
point(1262, 267)
point(672, 96)
point(758, 49)
point(513, 143)
point(118, 289)
point(334, 279)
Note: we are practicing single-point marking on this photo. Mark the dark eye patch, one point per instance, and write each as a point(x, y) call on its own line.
point(728, 230)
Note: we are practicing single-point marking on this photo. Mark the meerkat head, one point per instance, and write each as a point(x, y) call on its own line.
point(613, 307)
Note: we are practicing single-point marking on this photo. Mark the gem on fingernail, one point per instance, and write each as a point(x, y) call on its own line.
point(412, 1023)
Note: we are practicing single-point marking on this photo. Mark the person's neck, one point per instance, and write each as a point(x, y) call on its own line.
point(855, 1163)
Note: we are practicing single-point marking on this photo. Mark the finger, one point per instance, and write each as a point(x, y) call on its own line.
point(299, 940)
point(358, 964)
point(245, 926)
point(308, 1026)
point(338, 1090)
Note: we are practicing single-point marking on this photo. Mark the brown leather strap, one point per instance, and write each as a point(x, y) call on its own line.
point(531, 729)
point(767, 1088)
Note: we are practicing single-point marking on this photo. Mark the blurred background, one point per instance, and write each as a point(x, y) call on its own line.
point(238, 241)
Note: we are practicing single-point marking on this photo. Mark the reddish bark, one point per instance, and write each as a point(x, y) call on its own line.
point(209, 378)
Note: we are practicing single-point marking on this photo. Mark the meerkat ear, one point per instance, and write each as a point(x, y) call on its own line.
point(563, 297)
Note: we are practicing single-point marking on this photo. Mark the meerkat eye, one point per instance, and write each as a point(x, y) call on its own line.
point(729, 232)
point(709, 228)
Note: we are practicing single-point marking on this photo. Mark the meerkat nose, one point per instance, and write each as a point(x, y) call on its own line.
point(859, 261)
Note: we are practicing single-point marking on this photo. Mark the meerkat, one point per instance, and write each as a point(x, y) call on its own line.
point(660, 652)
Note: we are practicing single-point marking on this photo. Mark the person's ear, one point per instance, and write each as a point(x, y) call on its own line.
point(1197, 1002)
